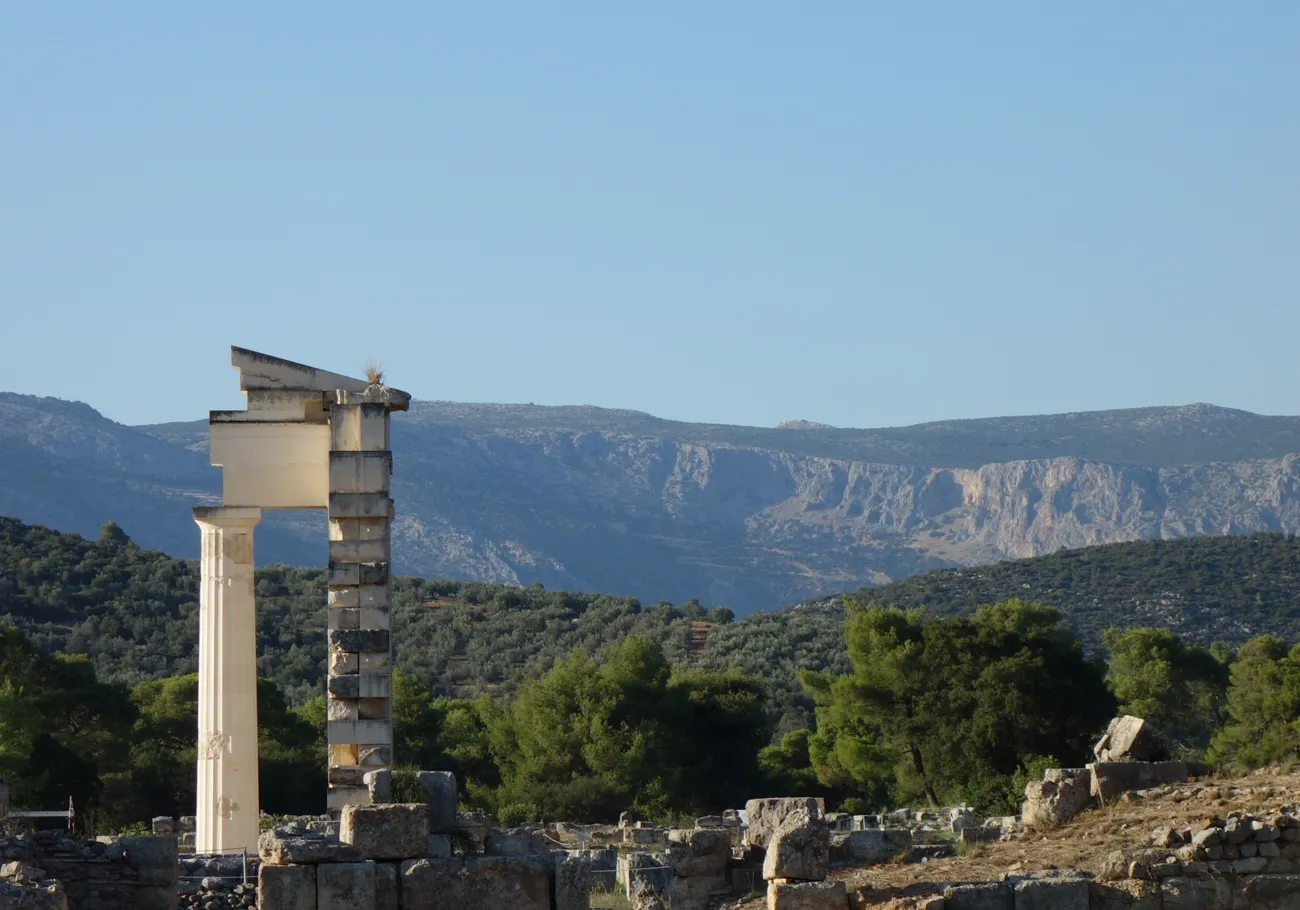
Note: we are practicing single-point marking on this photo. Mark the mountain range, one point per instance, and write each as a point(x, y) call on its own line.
point(750, 517)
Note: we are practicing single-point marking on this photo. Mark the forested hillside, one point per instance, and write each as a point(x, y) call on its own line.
point(117, 625)
point(1205, 589)
point(134, 612)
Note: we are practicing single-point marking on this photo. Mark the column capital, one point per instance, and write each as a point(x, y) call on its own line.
point(228, 516)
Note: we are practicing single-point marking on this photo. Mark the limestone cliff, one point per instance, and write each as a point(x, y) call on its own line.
point(623, 502)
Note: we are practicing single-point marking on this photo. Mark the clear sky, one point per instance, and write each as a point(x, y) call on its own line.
point(855, 212)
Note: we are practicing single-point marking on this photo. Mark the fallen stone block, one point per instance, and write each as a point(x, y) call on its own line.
point(393, 832)
point(286, 887)
point(807, 896)
point(1110, 779)
point(516, 883)
point(440, 794)
point(1049, 803)
point(979, 896)
point(1131, 739)
point(801, 853)
point(767, 816)
point(293, 844)
point(345, 886)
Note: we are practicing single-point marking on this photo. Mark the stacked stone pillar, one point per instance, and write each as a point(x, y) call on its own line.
point(360, 718)
point(227, 805)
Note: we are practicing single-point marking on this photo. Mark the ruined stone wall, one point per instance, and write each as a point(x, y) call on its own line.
point(136, 873)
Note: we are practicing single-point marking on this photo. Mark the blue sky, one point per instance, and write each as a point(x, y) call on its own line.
point(854, 212)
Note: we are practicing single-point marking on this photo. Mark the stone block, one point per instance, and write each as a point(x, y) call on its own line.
point(1050, 803)
point(286, 887)
point(357, 731)
point(162, 825)
point(642, 870)
point(359, 428)
point(361, 505)
point(356, 641)
point(695, 893)
point(374, 685)
point(1126, 894)
point(1051, 894)
point(345, 886)
point(476, 882)
point(694, 852)
point(1131, 739)
point(1272, 892)
point(343, 574)
point(294, 844)
point(388, 832)
point(346, 776)
point(341, 663)
point(440, 794)
point(1110, 779)
point(766, 816)
point(979, 896)
point(379, 785)
point(151, 853)
point(801, 853)
point(360, 472)
point(573, 882)
point(439, 846)
point(388, 895)
point(877, 845)
point(807, 896)
point(338, 797)
point(1183, 893)
point(515, 845)
point(362, 551)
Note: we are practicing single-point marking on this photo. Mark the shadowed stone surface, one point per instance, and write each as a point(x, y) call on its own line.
point(489, 881)
point(286, 887)
point(807, 896)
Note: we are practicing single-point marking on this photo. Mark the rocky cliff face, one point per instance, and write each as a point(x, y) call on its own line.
point(622, 502)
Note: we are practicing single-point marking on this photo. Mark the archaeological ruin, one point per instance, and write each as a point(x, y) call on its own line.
point(308, 439)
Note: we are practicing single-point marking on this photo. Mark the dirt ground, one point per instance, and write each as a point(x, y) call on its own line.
point(1083, 843)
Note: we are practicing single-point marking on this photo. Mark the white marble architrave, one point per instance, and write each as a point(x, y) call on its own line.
point(227, 805)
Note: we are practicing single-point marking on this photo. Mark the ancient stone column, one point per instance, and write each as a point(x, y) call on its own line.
point(359, 725)
point(227, 804)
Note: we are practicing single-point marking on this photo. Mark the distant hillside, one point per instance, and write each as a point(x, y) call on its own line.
point(135, 611)
point(1204, 588)
point(582, 498)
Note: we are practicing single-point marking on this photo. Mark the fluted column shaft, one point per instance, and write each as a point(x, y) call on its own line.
point(227, 804)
